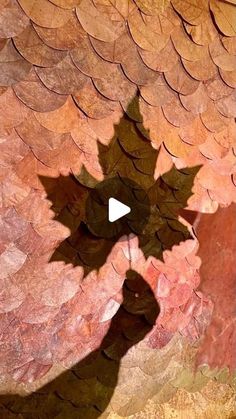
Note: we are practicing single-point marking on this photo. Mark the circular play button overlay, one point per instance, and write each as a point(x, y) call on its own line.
point(117, 207)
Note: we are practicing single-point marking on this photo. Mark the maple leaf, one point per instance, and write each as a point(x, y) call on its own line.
point(129, 159)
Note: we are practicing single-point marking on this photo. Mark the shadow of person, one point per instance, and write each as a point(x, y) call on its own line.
point(85, 390)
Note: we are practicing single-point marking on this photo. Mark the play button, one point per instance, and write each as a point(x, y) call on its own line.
point(116, 210)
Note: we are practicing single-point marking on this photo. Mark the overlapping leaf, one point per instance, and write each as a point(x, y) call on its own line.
point(183, 64)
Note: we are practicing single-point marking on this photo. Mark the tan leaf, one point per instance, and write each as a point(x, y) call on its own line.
point(98, 24)
point(45, 13)
point(225, 16)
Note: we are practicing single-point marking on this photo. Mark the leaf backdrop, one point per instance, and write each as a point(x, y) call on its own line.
point(69, 70)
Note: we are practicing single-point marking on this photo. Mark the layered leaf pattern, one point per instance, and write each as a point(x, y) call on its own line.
point(68, 71)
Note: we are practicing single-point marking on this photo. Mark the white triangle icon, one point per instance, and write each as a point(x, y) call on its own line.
point(116, 210)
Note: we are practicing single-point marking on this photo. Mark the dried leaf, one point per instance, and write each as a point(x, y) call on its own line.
point(98, 24)
point(158, 93)
point(227, 105)
point(88, 61)
point(194, 133)
point(36, 96)
point(152, 7)
point(64, 78)
point(165, 60)
point(229, 77)
point(35, 51)
point(196, 102)
point(12, 20)
point(13, 66)
point(180, 80)
point(44, 13)
point(115, 85)
point(65, 37)
point(66, 4)
point(213, 120)
point(194, 12)
point(217, 89)
point(185, 47)
point(222, 58)
point(92, 103)
point(217, 333)
point(202, 34)
point(202, 69)
point(61, 120)
point(224, 14)
point(12, 112)
point(143, 35)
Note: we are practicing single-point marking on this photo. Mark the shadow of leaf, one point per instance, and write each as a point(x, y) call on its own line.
point(128, 157)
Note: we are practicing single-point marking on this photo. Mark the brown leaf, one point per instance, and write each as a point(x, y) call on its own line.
point(66, 157)
point(65, 37)
point(152, 7)
point(105, 50)
point(12, 111)
point(35, 51)
point(229, 77)
point(164, 60)
point(12, 150)
point(104, 128)
point(13, 191)
point(227, 105)
point(116, 10)
point(12, 19)
point(202, 34)
point(118, 50)
point(144, 37)
point(92, 102)
point(213, 120)
point(36, 136)
point(36, 96)
point(114, 85)
point(221, 57)
point(180, 80)
point(195, 133)
point(11, 295)
point(88, 61)
point(164, 162)
point(98, 24)
point(212, 150)
point(216, 88)
point(66, 4)
point(176, 114)
point(229, 44)
point(157, 93)
point(44, 13)
point(61, 120)
point(194, 12)
point(28, 171)
point(227, 137)
point(202, 69)
point(13, 66)
point(224, 14)
point(64, 78)
point(126, 53)
point(185, 47)
point(196, 102)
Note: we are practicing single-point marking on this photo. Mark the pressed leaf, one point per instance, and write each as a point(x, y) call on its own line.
point(225, 16)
